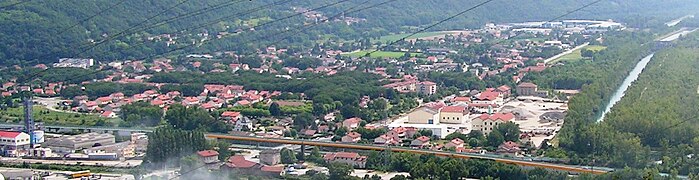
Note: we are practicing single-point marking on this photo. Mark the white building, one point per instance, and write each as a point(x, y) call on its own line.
point(14, 143)
point(75, 62)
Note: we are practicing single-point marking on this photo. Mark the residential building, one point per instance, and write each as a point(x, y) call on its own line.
point(527, 89)
point(387, 140)
point(243, 124)
point(13, 143)
point(489, 96)
point(352, 137)
point(208, 156)
point(453, 114)
point(455, 143)
point(350, 158)
point(421, 141)
point(427, 88)
point(270, 157)
point(351, 123)
point(510, 148)
point(486, 123)
point(242, 165)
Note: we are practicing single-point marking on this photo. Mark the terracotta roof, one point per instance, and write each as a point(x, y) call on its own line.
point(230, 114)
point(527, 85)
point(276, 169)
point(496, 116)
point(423, 138)
point(9, 134)
point(346, 155)
point(504, 88)
point(489, 95)
point(461, 99)
point(454, 109)
point(207, 153)
point(238, 161)
point(456, 141)
point(354, 135)
point(353, 120)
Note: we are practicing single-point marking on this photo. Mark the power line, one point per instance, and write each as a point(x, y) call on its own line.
point(134, 26)
point(433, 25)
point(92, 16)
point(13, 4)
point(191, 45)
point(348, 11)
point(269, 5)
point(195, 13)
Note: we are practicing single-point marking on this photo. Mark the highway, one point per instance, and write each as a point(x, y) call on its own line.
point(93, 128)
point(567, 168)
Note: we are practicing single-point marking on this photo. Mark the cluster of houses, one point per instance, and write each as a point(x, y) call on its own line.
point(213, 97)
point(411, 84)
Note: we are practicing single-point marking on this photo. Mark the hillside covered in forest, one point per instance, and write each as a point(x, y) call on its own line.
point(43, 31)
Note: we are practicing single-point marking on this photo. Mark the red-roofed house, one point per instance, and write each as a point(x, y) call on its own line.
point(490, 96)
point(351, 123)
point(505, 90)
point(509, 147)
point(243, 103)
point(108, 114)
point(190, 101)
point(230, 116)
point(350, 158)
point(486, 123)
point(387, 140)
point(208, 156)
point(460, 99)
point(421, 141)
point(238, 162)
point(455, 143)
point(104, 100)
point(14, 143)
point(38, 91)
point(6, 94)
point(352, 137)
point(453, 114)
point(274, 171)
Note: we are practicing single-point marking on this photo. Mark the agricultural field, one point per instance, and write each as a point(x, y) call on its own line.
point(577, 55)
point(41, 114)
point(395, 37)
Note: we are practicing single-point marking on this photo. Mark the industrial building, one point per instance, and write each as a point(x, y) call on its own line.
point(68, 144)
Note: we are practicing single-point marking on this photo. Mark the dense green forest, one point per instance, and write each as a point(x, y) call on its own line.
point(655, 121)
point(43, 31)
point(659, 109)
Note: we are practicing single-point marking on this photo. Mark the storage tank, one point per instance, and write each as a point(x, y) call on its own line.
point(39, 137)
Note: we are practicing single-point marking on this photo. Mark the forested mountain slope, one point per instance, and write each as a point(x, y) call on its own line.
point(37, 31)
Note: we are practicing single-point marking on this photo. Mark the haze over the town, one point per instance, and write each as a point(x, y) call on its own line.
point(349, 89)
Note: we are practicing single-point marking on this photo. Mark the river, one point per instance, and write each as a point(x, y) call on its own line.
point(619, 93)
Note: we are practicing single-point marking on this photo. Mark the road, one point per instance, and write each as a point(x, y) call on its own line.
point(51, 104)
point(497, 158)
point(120, 164)
point(565, 53)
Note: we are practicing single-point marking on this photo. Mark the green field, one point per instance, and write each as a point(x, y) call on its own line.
point(577, 55)
point(395, 37)
point(41, 114)
point(380, 54)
